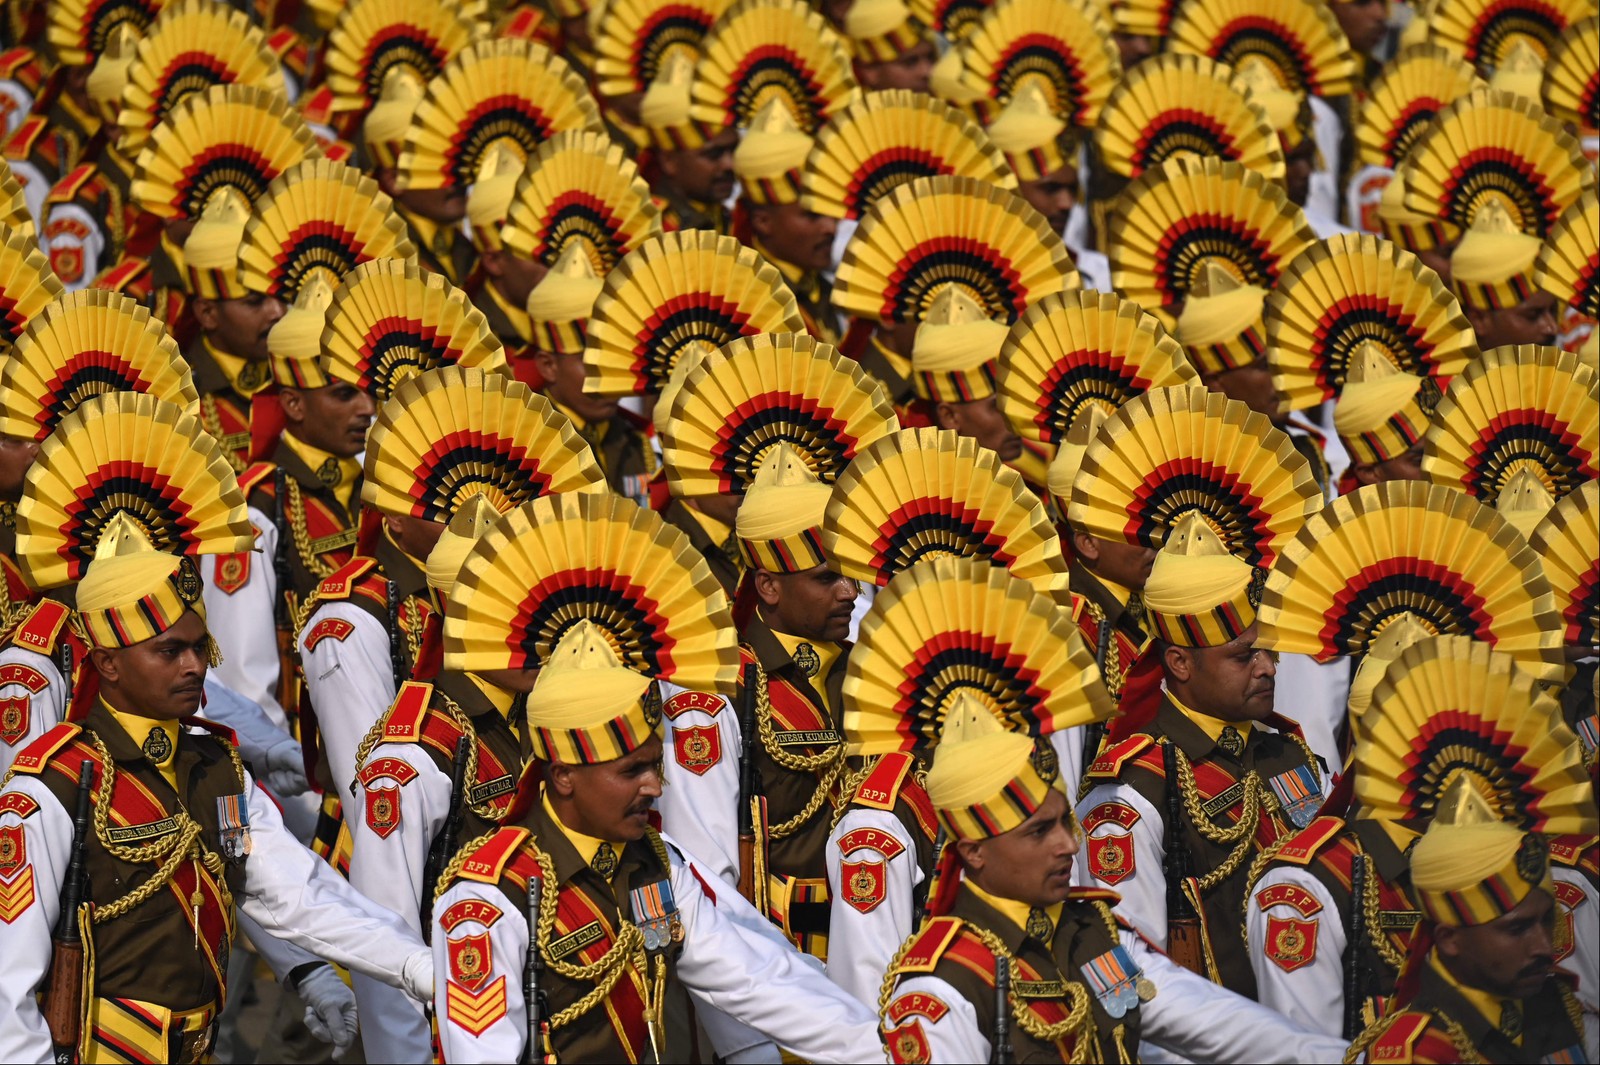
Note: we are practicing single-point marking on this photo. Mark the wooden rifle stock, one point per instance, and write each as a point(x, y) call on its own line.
point(747, 784)
point(1184, 944)
point(63, 1000)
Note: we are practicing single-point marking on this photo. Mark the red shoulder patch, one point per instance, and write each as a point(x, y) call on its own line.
point(406, 716)
point(696, 748)
point(1399, 1038)
point(1291, 943)
point(1292, 895)
point(1111, 813)
point(397, 769)
point(863, 884)
point(1094, 894)
point(42, 627)
point(1108, 766)
point(1111, 857)
point(13, 850)
point(221, 732)
point(881, 787)
point(16, 802)
point(123, 276)
point(871, 839)
point(917, 1004)
point(336, 629)
point(707, 702)
point(908, 1044)
point(71, 183)
point(1311, 839)
point(487, 862)
point(233, 572)
point(256, 474)
point(929, 945)
point(35, 756)
point(342, 582)
point(485, 913)
point(20, 144)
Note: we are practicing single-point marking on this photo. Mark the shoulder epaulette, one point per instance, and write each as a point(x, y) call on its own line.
point(487, 864)
point(124, 277)
point(1310, 840)
point(1575, 852)
point(1109, 765)
point(1094, 894)
point(221, 732)
point(253, 476)
point(35, 756)
point(341, 583)
point(14, 60)
point(881, 788)
point(316, 106)
point(20, 144)
point(40, 630)
point(66, 190)
point(407, 714)
point(1398, 1039)
point(928, 946)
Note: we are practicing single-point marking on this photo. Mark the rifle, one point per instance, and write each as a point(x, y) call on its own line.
point(1002, 1053)
point(445, 843)
point(1096, 730)
point(920, 912)
point(1183, 922)
point(532, 969)
point(397, 654)
point(63, 1002)
point(1354, 979)
point(283, 616)
point(64, 663)
point(747, 784)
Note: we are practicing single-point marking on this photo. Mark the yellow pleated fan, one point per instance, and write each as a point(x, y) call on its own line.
point(954, 626)
point(1412, 88)
point(1486, 31)
point(680, 292)
point(1176, 218)
point(1517, 408)
point(955, 19)
point(1571, 88)
point(319, 219)
point(391, 320)
point(1350, 290)
point(762, 50)
point(563, 558)
point(632, 39)
point(1565, 543)
point(27, 284)
point(1299, 40)
point(191, 46)
point(1408, 547)
point(1489, 147)
point(579, 186)
point(921, 494)
point(1569, 263)
point(373, 37)
point(85, 344)
point(1184, 105)
point(230, 136)
point(1063, 47)
point(737, 403)
point(454, 433)
point(1175, 451)
point(509, 93)
point(1076, 350)
point(127, 453)
point(932, 233)
point(886, 139)
point(14, 214)
point(78, 30)
point(1450, 707)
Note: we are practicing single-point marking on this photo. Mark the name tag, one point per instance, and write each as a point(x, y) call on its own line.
point(491, 789)
point(822, 737)
point(1223, 799)
point(234, 441)
point(1404, 920)
point(1039, 988)
point(133, 833)
point(573, 942)
point(323, 544)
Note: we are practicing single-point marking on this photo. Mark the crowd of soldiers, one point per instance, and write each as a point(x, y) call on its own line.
point(672, 530)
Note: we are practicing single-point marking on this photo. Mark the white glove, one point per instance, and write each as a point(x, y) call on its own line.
point(285, 770)
point(330, 1007)
point(416, 976)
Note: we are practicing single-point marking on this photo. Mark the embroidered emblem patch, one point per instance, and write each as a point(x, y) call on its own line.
point(233, 572)
point(917, 1004)
point(697, 747)
point(328, 628)
point(470, 960)
point(871, 839)
point(1291, 943)
point(1111, 857)
point(908, 1044)
point(1569, 897)
point(863, 884)
point(383, 810)
point(13, 850)
point(14, 715)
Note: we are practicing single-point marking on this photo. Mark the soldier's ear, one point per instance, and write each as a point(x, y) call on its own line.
point(945, 414)
point(1447, 938)
point(205, 313)
point(1179, 666)
point(293, 402)
point(105, 664)
point(766, 587)
point(1085, 546)
point(559, 779)
point(970, 851)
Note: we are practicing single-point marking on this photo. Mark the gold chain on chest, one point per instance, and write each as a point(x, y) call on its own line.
point(211, 422)
point(829, 765)
point(1243, 832)
point(294, 511)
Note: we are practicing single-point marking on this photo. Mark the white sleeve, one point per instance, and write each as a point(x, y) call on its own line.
point(473, 1025)
point(699, 801)
point(869, 922)
point(1580, 907)
point(1068, 745)
point(76, 243)
point(293, 894)
point(1315, 696)
point(1111, 848)
point(31, 694)
point(281, 956)
point(1204, 1022)
point(760, 982)
point(30, 899)
point(252, 725)
point(244, 622)
point(350, 681)
point(1310, 993)
point(952, 1036)
point(388, 869)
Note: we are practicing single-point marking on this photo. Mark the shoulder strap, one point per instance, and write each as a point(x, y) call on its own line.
point(342, 582)
point(42, 627)
point(256, 475)
point(408, 713)
point(880, 789)
point(1109, 765)
point(487, 863)
point(925, 948)
point(36, 756)
point(66, 190)
point(1306, 844)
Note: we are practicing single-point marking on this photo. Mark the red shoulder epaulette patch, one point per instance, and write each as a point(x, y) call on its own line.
point(254, 475)
point(342, 582)
point(41, 629)
point(881, 787)
point(916, 1003)
point(486, 864)
point(407, 713)
point(14, 60)
point(395, 769)
point(1568, 850)
point(1119, 813)
point(485, 913)
point(929, 945)
point(36, 755)
point(1109, 765)
point(871, 839)
point(20, 144)
point(328, 628)
point(1399, 1039)
point(66, 190)
point(1311, 839)
point(121, 277)
point(709, 703)
point(316, 106)
point(221, 732)
point(16, 802)
point(1094, 894)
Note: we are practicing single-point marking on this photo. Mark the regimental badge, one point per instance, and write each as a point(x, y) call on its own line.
point(253, 377)
point(16, 895)
point(1044, 760)
point(329, 472)
point(908, 1044)
point(187, 581)
point(806, 660)
point(470, 960)
point(233, 572)
point(655, 912)
point(864, 884)
point(383, 810)
point(14, 715)
point(650, 704)
point(157, 746)
point(67, 262)
point(1569, 897)
point(13, 850)
point(1117, 982)
point(1291, 943)
point(1298, 795)
point(1533, 858)
point(697, 747)
point(1111, 857)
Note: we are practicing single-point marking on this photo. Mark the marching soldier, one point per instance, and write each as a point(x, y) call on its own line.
point(1491, 270)
point(691, 172)
point(891, 48)
point(953, 369)
point(1016, 963)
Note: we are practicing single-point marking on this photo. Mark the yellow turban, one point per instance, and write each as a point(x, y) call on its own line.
point(1400, 632)
point(1033, 137)
point(131, 592)
point(1520, 72)
point(1284, 108)
point(295, 342)
point(1069, 455)
point(771, 154)
point(881, 31)
point(1221, 325)
point(956, 347)
point(211, 252)
point(1524, 501)
point(467, 526)
point(108, 78)
point(946, 82)
point(1492, 267)
point(490, 195)
point(1407, 228)
point(779, 524)
point(587, 707)
point(1199, 595)
point(665, 107)
point(390, 118)
point(985, 780)
point(560, 304)
point(1379, 414)
point(1468, 868)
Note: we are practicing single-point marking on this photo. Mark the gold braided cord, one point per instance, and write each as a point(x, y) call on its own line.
point(848, 788)
point(829, 765)
point(1243, 830)
point(211, 422)
point(453, 711)
point(1369, 906)
point(1258, 869)
point(1079, 1025)
point(294, 510)
point(452, 868)
point(627, 949)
